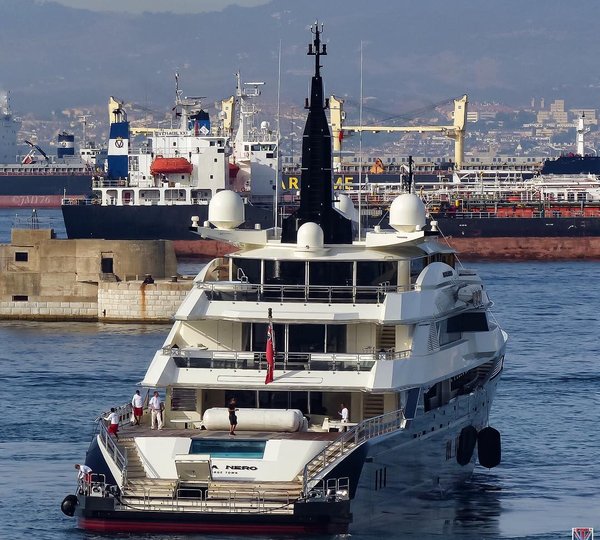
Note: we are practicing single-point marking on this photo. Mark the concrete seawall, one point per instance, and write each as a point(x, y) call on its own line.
point(129, 301)
point(44, 278)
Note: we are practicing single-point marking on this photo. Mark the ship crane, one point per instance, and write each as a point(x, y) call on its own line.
point(456, 131)
point(30, 157)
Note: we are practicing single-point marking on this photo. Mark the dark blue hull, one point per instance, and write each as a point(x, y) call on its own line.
point(145, 222)
point(42, 190)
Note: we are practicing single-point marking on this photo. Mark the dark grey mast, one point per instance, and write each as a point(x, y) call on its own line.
point(316, 189)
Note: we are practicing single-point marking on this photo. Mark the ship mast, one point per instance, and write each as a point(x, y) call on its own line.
point(316, 189)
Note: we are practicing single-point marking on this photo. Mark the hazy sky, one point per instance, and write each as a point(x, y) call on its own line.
point(175, 6)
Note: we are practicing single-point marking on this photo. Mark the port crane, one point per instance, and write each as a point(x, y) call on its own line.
point(455, 131)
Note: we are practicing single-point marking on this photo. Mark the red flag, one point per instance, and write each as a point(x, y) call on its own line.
point(270, 354)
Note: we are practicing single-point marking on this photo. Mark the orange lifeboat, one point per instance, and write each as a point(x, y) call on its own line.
point(176, 165)
point(233, 170)
point(377, 167)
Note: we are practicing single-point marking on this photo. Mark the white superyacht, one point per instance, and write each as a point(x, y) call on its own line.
point(303, 321)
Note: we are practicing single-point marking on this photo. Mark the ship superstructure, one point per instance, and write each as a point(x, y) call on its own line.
point(153, 190)
point(363, 370)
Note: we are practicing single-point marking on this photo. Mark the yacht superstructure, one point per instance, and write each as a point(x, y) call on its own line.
point(298, 325)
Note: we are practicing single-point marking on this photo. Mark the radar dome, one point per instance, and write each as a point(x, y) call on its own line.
point(345, 205)
point(310, 236)
point(407, 213)
point(265, 125)
point(226, 210)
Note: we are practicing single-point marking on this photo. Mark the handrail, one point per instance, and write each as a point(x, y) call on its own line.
point(119, 459)
point(243, 290)
point(195, 357)
point(348, 441)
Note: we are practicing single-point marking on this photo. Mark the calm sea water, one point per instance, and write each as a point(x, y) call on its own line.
point(56, 377)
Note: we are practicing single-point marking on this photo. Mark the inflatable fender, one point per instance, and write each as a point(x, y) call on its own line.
point(68, 505)
point(489, 447)
point(466, 444)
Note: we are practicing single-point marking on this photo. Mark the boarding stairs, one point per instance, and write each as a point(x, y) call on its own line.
point(140, 491)
point(317, 468)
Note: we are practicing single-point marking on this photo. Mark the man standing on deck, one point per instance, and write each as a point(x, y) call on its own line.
point(138, 407)
point(113, 423)
point(156, 408)
point(344, 413)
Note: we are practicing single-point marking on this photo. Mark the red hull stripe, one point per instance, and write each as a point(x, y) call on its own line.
point(28, 201)
point(105, 525)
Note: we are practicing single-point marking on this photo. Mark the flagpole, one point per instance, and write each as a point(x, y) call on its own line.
point(270, 348)
point(360, 158)
point(278, 140)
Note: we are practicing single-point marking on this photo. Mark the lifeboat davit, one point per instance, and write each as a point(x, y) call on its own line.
point(175, 165)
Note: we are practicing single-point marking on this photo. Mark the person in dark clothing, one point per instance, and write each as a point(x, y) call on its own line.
point(232, 416)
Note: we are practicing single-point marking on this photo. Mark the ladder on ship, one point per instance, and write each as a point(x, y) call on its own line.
point(155, 494)
point(318, 467)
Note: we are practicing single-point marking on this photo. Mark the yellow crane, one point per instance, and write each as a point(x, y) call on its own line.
point(456, 131)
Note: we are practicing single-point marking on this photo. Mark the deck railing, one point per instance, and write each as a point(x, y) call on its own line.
point(246, 291)
point(193, 357)
point(348, 441)
point(124, 413)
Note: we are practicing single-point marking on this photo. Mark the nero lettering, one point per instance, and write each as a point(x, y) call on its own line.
point(241, 467)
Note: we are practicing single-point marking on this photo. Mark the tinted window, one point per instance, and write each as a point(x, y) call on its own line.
point(468, 322)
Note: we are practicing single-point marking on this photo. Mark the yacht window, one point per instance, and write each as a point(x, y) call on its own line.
point(259, 337)
point(335, 338)
point(306, 338)
point(447, 335)
point(244, 398)
point(183, 399)
point(416, 267)
point(247, 267)
point(374, 273)
point(326, 273)
point(468, 322)
point(284, 272)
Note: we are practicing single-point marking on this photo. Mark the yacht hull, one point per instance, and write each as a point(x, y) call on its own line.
point(411, 462)
point(320, 518)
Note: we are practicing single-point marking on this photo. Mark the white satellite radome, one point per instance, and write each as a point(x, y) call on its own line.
point(226, 210)
point(310, 237)
point(265, 125)
point(407, 213)
point(345, 205)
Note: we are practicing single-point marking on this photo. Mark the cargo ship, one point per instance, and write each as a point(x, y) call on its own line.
point(37, 179)
point(155, 190)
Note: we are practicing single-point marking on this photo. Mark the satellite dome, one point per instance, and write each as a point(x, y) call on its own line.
point(226, 210)
point(407, 213)
point(345, 205)
point(310, 236)
point(265, 125)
